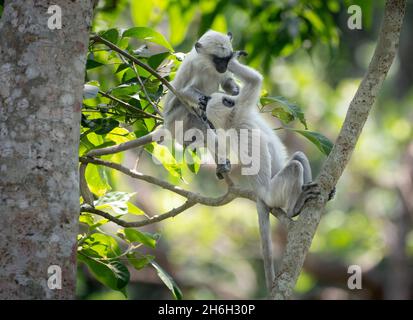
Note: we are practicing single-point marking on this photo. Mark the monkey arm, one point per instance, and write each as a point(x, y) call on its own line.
point(194, 97)
point(251, 79)
point(230, 86)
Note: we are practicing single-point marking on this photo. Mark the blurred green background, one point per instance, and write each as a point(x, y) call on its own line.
point(309, 55)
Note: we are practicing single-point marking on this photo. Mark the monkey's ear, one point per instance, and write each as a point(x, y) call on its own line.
point(229, 34)
point(198, 47)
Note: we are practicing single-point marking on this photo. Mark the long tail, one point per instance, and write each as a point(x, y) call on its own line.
point(266, 242)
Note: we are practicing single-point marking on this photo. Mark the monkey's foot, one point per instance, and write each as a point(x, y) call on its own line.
point(309, 191)
point(332, 194)
point(223, 168)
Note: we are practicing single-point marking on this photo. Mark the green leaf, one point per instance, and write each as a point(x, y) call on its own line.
point(99, 245)
point(112, 274)
point(125, 90)
point(165, 157)
point(192, 160)
point(106, 125)
point(100, 125)
point(148, 34)
point(91, 64)
point(122, 67)
point(111, 35)
point(156, 60)
point(286, 112)
point(139, 263)
point(86, 218)
point(145, 238)
point(120, 135)
point(115, 203)
point(132, 209)
point(96, 179)
point(319, 140)
point(169, 282)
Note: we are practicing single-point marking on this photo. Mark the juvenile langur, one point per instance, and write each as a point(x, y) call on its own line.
point(279, 183)
point(202, 72)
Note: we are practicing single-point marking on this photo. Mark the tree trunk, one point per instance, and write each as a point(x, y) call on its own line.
point(41, 77)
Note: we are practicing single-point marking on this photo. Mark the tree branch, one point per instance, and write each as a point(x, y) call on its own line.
point(124, 146)
point(172, 213)
point(232, 193)
point(301, 233)
point(129, 106)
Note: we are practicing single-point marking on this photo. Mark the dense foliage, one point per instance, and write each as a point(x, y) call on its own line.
point(121, 104)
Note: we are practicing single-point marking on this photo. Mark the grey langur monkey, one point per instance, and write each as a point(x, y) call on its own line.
point(201, 73)
point(279, 183)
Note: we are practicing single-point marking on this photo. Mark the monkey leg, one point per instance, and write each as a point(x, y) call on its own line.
point(266, 242)
point(285, 187)
point(218, 149)
point(302, 158)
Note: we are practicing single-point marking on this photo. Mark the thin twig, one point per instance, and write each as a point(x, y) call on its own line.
point(141, 84)
point(165, 82)
point(149, 138)
point(129, 106)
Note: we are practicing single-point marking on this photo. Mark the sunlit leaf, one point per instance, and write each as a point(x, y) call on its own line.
point(284, 110)
point(148, 34)
point(97, 180)
point(139, 262)
point(115, 203)
point(112, 274)
point(101, 245)
point(165, 157)
point(132, 209)
point(168, 280)
point(120, 135)
point(145, 238)
point(86, 218)
point(192, 160)
point(319, 140)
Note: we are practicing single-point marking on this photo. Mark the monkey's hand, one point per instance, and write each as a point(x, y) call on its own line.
point(223, 168)
point(203, 101)
point(235, 90)
point(239, 53)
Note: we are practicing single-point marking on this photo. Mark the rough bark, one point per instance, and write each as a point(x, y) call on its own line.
point(301, 232)
point(41, 77)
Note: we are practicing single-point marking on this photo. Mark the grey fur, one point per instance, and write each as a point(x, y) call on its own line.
point(279, 183)
point(196, 79)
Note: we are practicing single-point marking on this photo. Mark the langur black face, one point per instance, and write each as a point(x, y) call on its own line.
point(221, 64)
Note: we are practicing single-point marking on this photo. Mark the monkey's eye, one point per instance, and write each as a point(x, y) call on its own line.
point(228, 102)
